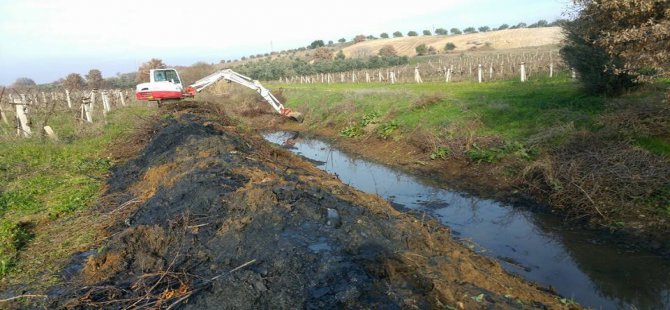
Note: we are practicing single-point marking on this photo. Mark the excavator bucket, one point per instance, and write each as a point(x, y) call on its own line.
point(296, 116)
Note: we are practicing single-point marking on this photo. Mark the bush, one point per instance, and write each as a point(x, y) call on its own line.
point(595, 66)
point(503, 27)
point(441, 31)
point(449, 46)
point(421, 50)
point(342, 40)
point(316, 44)
point(359, 38)
point(397, 34)
point(427, 33)
point(484, 29)
point(412, 34)
point(388, 50)
point(384, 35)
point(455, 31)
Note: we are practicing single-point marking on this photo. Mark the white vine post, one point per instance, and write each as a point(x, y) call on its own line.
point(417, 76)
point(479, 73)
point(367, 77)
point(86, 108)
point(69, 101)
point(22, 117)
point(105, 102)
point(91, 105)
point(122, 98)
point(50, 133)
point(551, 70)
point(491, 71)
point(523, 72)
point(392, 77)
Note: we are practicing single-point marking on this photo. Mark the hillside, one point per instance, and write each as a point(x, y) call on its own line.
point(503, 39)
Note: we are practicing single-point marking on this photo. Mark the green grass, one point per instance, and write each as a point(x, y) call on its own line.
point(656, 145)
point(510, 109)
point(42, 180)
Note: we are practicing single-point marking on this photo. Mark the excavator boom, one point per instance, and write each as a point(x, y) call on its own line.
point(144, 92)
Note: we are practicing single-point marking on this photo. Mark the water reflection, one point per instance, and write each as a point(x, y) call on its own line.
point(576, 263)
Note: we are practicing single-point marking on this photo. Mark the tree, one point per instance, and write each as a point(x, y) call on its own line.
point(397, 34)
point(455, 31)
point(540, 23)
point(330, 42)
point(359, 38)
point(520, 25)
point(342, 40)
point(484, 29)
point(316, 44)
point(74, 81)
point(503, 27)
point(23, 82)
point(323, 53)
point(470, 30)
point(427, 33)
point(441, 31)
point(412, 33)
point(421, 50)
point(449, 46)
point(339, 55)
point(388, 50)
point(94, 79)
point(384, 35)
point(626, 40)
point(143, 70)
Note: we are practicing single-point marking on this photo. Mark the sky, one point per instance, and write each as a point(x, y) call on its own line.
point(47, 39)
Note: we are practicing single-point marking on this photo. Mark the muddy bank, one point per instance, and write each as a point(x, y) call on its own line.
point(224, 220)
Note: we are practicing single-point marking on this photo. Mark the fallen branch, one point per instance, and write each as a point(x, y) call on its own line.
point(23, 296)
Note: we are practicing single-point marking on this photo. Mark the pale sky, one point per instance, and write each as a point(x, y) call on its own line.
point(47, 39)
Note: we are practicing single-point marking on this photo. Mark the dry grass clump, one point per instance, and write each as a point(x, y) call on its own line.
point(426, 101)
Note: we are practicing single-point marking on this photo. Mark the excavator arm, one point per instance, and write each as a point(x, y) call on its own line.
point(235, 77)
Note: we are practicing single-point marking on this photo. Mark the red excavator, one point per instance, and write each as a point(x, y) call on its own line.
point(165, 84)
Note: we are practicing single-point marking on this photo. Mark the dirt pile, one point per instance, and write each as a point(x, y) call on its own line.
point(228, 221)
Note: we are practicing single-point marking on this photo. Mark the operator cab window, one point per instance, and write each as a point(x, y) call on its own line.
point(172, 76)
point(159, 76)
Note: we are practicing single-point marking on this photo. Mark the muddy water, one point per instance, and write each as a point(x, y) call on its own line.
point(578, 264)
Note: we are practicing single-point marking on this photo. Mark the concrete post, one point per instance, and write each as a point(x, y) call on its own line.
point(523, 72)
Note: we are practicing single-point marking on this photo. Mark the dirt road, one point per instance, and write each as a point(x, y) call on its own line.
point(222, 219)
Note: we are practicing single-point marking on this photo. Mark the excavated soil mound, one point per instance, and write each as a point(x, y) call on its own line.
point(225, 220)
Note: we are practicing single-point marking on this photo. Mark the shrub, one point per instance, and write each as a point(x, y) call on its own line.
point(397, 34)
point(449, 46)
point(359, 38)
point(470, 30)
point(455, 31)
point(342, 40)
point(441, 31)
point(503, 27)
point(421, 50)
point(427, 33)
point(316, 44)
point(484, 29)
point(388, 50)
point(384, 35)
point(412, 34)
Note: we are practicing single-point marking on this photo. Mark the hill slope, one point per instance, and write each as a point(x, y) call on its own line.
point(503, 39)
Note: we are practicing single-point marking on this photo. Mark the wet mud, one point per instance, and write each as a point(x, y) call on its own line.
point(226, 220)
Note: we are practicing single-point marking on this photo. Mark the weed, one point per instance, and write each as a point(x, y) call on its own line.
point(440, 153)
point(352, 131)
point(369, 118)
point(483, 155)
point(13, 236)
point(385, 130)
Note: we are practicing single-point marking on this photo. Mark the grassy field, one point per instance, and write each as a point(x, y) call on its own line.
point(603, 159)
point(44, 183)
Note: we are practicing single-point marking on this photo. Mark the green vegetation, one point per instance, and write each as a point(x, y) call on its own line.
point(42, 181)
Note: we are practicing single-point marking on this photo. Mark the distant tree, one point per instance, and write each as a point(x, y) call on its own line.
point(441, 31)
point(397, 34)
point(384, 35)
point(94, 79)
point(143, 70)
point(330, 42)
point(371, 37)
point(388, 50)
point(316, 44)
point(244, 58)
point(359, 38)
point(427, 33)
point(503, 27)
point(450, 46)
point(521, 25)
point(195, 72)
point(339, 55)
point(421, 50)
point(323, 53)
point(470, 30)
point(540, 23)
point(412, 33)
point(74, 81)
point(455, 31)
point(23, 82)
point(484, 29)
point(342, 40)
point(558, 23)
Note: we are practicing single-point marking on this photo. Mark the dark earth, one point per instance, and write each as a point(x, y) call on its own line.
point(210, 216)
